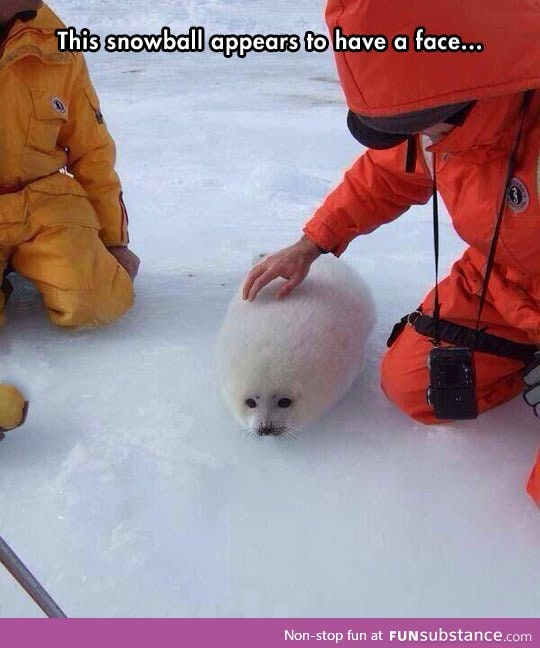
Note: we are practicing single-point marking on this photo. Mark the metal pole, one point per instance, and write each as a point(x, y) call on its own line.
point(22, 575)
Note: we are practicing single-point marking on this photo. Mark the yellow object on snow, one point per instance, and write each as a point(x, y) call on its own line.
point(12, 408)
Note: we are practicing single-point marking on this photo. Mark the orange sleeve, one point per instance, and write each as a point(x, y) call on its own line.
point(375, 190)
point(92, 157)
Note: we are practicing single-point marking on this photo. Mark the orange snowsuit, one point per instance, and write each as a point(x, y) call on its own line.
point(60, 198)
point(471, 164)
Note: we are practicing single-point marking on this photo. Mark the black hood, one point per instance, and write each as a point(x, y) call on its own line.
point(387, 132)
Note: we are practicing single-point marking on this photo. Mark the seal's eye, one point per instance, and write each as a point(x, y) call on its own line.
point(251, 403)
point(284, 403)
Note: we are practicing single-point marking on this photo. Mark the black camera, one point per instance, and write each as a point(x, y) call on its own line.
point(452, 390)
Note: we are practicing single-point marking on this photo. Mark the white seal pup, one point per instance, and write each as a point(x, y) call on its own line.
point(286, 362)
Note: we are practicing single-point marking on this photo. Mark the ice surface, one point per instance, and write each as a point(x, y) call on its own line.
point(130, 491)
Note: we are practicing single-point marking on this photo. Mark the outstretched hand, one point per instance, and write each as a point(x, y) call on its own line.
point(292, 263)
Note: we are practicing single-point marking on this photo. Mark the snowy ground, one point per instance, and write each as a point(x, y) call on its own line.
point(131, 491)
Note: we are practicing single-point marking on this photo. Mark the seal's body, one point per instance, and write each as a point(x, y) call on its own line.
point(285, 362)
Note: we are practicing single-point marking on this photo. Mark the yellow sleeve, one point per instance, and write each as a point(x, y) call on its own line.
point(92, 157)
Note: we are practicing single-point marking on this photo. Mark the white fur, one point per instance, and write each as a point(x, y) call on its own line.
point(308, 347)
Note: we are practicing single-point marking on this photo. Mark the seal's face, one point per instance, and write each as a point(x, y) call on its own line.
point(274, 414)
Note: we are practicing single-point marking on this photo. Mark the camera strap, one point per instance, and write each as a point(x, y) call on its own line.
point(437, 305)
point(493, 249)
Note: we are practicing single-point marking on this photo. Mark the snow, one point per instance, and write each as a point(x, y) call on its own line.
point(131, 491)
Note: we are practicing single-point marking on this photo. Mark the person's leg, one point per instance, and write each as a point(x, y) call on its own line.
point(404, 372)
point(405, 377)
point(82, 284)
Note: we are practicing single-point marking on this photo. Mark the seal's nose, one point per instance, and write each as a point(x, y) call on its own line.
point(268, 430)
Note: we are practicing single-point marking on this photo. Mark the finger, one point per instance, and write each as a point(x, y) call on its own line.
point(261, 282)
point(254, 274)
point(289, 286)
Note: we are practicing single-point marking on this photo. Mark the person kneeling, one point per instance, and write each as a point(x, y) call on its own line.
point(63, 222)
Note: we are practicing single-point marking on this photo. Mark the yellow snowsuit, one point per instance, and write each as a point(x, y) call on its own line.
point(60, 198)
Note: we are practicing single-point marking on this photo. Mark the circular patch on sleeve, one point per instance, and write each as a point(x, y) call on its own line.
point(518, 196)
point(59, 105)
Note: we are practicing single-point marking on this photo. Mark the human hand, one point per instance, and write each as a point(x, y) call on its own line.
point(292, 263)
point(127, 259)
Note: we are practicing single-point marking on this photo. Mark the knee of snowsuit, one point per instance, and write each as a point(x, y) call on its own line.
point(404, 371)
point(405, 377)
point(49, 232)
